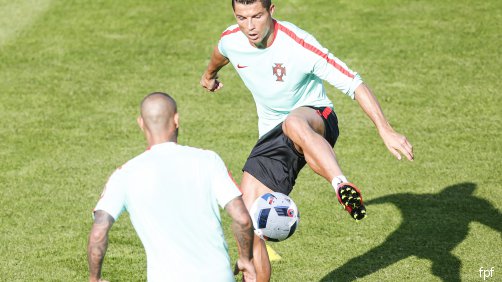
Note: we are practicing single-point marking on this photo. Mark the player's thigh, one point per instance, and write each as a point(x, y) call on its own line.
point(303, 119)
point(252, 188)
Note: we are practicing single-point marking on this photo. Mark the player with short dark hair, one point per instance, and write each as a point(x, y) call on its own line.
point(284, 67)
point(172, 194)
point(265, 3)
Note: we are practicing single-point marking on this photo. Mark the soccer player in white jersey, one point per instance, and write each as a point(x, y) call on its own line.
point(283, 67)
point(173, 194)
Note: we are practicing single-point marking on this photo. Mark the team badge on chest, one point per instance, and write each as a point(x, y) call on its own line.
point(279, 71)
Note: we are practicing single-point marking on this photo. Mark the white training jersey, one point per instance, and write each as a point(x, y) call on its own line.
point(173, 194)
point(288, 74)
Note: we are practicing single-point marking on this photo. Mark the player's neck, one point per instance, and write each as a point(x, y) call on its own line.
point(269, 38)
point(163, 138)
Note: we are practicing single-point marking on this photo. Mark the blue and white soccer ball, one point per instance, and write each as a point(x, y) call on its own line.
point(275, 216)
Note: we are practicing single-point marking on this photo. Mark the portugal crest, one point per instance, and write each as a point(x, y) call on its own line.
point(279, 71)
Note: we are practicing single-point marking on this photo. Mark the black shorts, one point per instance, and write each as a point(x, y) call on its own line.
point(275, 162)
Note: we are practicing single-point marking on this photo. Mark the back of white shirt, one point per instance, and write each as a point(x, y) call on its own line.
point(173, 194)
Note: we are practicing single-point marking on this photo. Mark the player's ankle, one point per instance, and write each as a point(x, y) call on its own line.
point(337, 180)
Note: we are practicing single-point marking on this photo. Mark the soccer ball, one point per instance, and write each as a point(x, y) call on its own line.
point(275, 216)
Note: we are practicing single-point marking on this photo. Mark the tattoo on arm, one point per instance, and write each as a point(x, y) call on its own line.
point(241, 227)
point(98, 242)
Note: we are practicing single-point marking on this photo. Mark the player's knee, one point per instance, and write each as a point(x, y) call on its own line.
point(294, 125)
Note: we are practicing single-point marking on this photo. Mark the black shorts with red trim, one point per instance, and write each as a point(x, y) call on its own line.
point(275, 162)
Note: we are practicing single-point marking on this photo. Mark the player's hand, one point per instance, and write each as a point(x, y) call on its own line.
point(212, 84)
point(247, 269)
point(397, 144)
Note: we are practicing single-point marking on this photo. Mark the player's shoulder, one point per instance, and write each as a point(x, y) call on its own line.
point(129, 164)
point(119, 172)
point(292, 30)
point(229, 31)
point(144, 157)
point(288, 25)
point(195, 152)
point(174, 151)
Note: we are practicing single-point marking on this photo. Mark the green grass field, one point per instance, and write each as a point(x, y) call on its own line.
point(73, 72)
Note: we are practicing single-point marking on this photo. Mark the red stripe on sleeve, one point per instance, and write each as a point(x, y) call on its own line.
point(230, 31)
point(312, 48)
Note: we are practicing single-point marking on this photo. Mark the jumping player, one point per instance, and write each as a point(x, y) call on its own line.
point(283, 67)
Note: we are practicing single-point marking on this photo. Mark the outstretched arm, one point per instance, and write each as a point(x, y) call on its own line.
point(97, 244)
point(209, 78)
point(396, 143)
point(242, 228)
point(490, 216)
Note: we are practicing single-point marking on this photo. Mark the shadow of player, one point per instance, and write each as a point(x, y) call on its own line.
point(433, 225)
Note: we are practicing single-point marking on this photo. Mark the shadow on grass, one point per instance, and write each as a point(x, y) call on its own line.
point(433, 225)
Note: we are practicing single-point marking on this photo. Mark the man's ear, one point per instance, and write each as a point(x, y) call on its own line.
point(141, 123)
point(272, 9)
point(176, 120)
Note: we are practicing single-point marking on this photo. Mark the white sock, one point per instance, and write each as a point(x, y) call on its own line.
point(337, 180)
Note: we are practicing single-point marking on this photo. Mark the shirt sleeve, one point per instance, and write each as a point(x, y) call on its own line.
point(221, 49)
point(223, 43)
point(223, 185)
point(333, 70)
point(112, 199)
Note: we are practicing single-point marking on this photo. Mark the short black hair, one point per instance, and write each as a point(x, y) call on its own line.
point(266, 3)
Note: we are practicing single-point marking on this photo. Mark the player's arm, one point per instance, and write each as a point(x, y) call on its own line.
point(490, 216)
point(396, 143)
point(242, 228)
point(209, 79)
point(98, 243)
